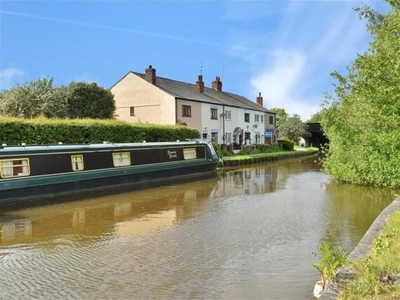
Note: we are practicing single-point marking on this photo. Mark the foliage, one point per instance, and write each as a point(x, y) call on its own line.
point(377, 273)
point(293, 129)
point(362, 119)
point(40, 98)
point(33, 99)
point(316, 117)
point(88, 100)
point(281, 115)
point(286, 145)
point(16, 131)
point(330, 260)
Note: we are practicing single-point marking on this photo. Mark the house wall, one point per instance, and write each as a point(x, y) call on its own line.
point(150, 104)
point(153, 105)
point(223, 125)
point(209, 127)
point(195, 119)
point(270, 138)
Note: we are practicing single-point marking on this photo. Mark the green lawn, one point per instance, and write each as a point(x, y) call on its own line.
point(298, 151)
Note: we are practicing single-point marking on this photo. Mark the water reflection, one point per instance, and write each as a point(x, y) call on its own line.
point(354, 208)
point(248, 233)
point(145, 208)
point(136, 212)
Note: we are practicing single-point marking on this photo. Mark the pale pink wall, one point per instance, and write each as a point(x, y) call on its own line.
point(195, 119)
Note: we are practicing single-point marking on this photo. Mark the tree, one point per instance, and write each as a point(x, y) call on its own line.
point(316, 117)
point(34, 98)
point(281, 115)
point(88, 100)
point(293, 129)
point(362, 118)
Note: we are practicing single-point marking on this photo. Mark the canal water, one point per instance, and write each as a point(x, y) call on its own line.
point(247, 233)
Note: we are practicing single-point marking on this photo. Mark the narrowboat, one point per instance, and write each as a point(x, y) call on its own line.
point(31, 172)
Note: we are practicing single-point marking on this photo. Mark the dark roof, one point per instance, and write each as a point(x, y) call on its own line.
point(188, 91)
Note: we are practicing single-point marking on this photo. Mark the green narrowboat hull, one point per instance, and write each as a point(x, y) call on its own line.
point(35, 172)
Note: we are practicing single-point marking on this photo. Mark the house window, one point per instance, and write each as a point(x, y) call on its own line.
point(14, 167)
point(77, 162)
point(258, 138)
point(132, 111)
point(228, 115)
point(246, 117)
point(271, 120)
point(247, 138)
point(186, 111)
point(204, 135)
point(257, 118)
point(121, 159)
point(262, 119)
point(214, 137)
point(214, 113)
point(228, 138)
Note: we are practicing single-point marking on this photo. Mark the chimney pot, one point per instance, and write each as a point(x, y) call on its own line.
point(150, 75)
point(200, 84)
point(217, 84)
point(260, 99)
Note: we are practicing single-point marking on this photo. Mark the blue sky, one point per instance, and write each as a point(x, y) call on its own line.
point(284, 49)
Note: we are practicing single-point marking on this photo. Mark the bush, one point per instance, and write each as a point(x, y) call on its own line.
point(16, 131)
point(286, 145)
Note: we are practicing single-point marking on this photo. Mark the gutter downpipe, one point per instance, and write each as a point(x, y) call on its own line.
point(223, 124)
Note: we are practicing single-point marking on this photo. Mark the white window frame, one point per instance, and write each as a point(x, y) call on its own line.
point(228, 115)
point(121, 159)
point(77, 163)
point(9, 167)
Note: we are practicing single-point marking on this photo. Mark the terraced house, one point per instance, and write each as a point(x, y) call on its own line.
point(225, 117)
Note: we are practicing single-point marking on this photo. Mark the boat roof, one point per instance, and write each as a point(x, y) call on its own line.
point(105, 146)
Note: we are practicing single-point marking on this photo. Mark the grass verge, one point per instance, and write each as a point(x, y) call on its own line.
point(263, 157)
point(378, 274)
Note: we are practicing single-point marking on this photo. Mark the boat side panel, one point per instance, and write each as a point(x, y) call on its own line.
point(55, 163)
point(151, 178)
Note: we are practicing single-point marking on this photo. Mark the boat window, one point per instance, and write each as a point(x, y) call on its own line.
point(121, 159)
point(189, 153)
point(14, 167)
point(77, 162)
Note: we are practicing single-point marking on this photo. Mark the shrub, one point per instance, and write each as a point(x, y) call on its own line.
point(286, 145)
point(78, 131)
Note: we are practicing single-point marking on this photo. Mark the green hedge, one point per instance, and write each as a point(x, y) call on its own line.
point(286, 145)
point(15, 131)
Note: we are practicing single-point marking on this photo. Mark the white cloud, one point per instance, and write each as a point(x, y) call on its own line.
point(281, 82)
point(8, 77)
point(291, 62)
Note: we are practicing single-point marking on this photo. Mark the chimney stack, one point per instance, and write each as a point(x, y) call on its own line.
point(200, 84)
point(217, 84)
point(150, 75)
point(260, 99)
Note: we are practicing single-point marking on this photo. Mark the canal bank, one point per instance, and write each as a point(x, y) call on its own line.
point(365, 248)
point(239, 160)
